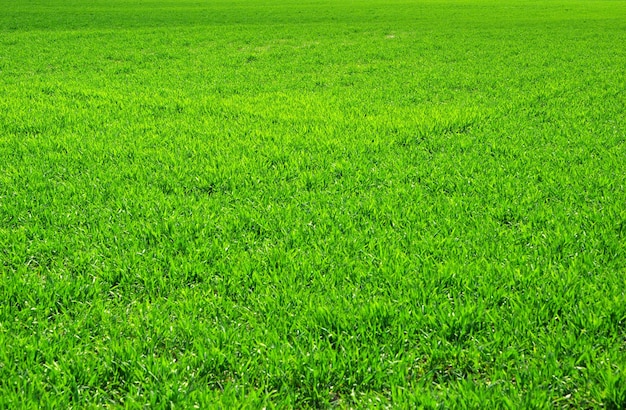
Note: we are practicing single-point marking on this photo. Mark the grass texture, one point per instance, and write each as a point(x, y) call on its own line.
point(313, 204)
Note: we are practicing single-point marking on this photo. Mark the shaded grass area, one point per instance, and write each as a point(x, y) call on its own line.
point(313, 205)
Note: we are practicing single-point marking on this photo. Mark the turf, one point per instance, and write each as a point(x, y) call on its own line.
point(263, 203)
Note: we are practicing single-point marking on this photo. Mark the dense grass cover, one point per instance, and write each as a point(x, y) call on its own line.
point(313, 203)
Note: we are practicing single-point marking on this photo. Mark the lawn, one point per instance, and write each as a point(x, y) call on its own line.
point(313, 204)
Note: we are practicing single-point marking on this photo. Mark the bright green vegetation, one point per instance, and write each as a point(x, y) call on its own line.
point(313, 204)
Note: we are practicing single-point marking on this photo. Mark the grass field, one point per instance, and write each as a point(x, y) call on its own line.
point(264, 203)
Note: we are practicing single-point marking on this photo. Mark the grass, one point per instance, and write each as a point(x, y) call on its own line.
point(313, 204)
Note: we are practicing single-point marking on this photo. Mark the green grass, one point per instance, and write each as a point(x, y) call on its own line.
point(313, 204)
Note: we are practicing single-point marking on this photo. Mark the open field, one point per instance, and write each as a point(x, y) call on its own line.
point(313, 203)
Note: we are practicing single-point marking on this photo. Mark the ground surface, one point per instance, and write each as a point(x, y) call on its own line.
point(313, 203)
